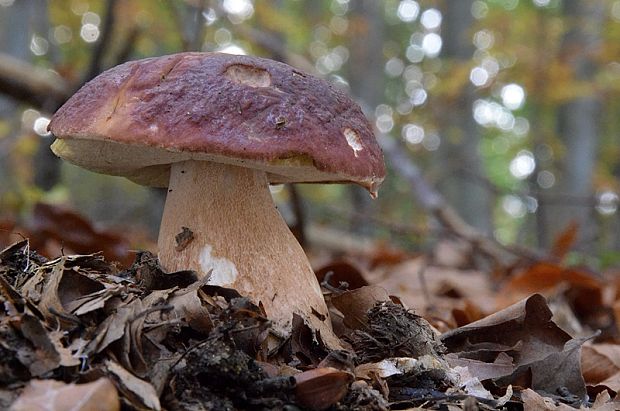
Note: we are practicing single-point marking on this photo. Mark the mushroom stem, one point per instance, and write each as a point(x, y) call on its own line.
point(241, 239)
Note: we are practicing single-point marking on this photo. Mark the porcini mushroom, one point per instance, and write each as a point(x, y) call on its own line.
point(216, 129)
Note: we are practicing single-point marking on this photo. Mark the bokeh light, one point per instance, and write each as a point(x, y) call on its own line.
point(513, 96)
point(408, 10)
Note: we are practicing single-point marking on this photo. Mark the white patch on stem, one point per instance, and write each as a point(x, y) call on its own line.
point(224, 271)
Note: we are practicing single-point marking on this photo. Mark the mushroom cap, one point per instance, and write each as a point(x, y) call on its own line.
point(137, 118)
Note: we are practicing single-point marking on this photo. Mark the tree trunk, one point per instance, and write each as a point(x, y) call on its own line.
point(15, 41)
point(458, 153)
point(578, 119)
point(365, 76)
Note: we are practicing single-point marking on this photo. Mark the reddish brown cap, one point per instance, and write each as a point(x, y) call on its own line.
point(135, 119)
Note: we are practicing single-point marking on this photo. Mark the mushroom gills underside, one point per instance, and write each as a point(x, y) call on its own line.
point(150, 166)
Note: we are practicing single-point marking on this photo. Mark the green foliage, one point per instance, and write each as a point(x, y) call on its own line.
point(518, 42)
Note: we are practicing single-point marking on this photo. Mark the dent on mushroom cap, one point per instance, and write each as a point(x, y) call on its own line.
point(250, 76)
point(353, 140)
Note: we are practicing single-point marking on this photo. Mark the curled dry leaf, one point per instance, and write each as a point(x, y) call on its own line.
point(69, 286)
point(140, 392)
point(305, 344)
point(565, 240)
point(399, 365)
point(51, 395)
point(188, 305)
point(151, 276)
point(458, 296)
point(532, 401)
point(600, 365)
point(340, 273)
point(44, 356)
point(61, 225)
point(320, 388)
point(517, 341)
point(355, 304)
point(586, 288)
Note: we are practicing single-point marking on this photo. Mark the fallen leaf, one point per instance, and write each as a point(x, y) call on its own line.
point(51, 395)
point(305, 343)
point(546, 276)
point(502, 365)
point(320, 388)
point(151, 275)
point(565, 240)
point(45, 357)
point(133, 387)
point(600, 365)
point(532, 401)
point(523, 335)
point(50, 222)
point(355, 304)
point(342, 273)
point(398, 365)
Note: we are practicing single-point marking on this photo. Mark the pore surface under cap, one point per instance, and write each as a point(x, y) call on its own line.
point(137, 118)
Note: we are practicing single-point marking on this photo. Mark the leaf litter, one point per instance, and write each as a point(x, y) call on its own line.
point(77, 331)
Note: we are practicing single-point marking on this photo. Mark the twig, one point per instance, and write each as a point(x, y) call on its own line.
point(128, 45)
point(436, 205)
point(31, 84)
point(103, 42)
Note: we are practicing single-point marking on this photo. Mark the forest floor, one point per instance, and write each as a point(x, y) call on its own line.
point(433, 331)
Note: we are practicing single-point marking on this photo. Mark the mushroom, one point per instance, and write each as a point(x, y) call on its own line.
point(217, 129)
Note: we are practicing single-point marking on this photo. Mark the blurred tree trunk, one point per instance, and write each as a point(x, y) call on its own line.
point(18, 23)
point(458, 156)
point(46, 165)
point(578, 120)
point(365, 75)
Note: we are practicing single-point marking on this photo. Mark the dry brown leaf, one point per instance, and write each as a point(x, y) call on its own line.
point(561, 369)
point(342, 272)
point(601, 365)
point(70, 285)
point(546, 276)
point(532, 401)
point(51, 395)
point(45, 357)
point(603, 402)
point(464, 294)
point(67, 358)
point(320, 388)
point(54, 223)
point(525, 333)
point(305, 344)
point(355, 304)
point(111, 329)
point(189, 306)
point(398, 365)
point(565, 240)
point(501, 367)
point(133, 387)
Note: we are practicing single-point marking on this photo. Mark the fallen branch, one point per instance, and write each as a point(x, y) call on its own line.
point(103, 42)
point(437, 206)
point(36, 86)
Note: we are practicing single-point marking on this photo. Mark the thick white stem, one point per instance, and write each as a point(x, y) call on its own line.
point(241, 239)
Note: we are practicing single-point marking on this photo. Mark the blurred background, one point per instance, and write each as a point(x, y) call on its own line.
point(499, 118)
